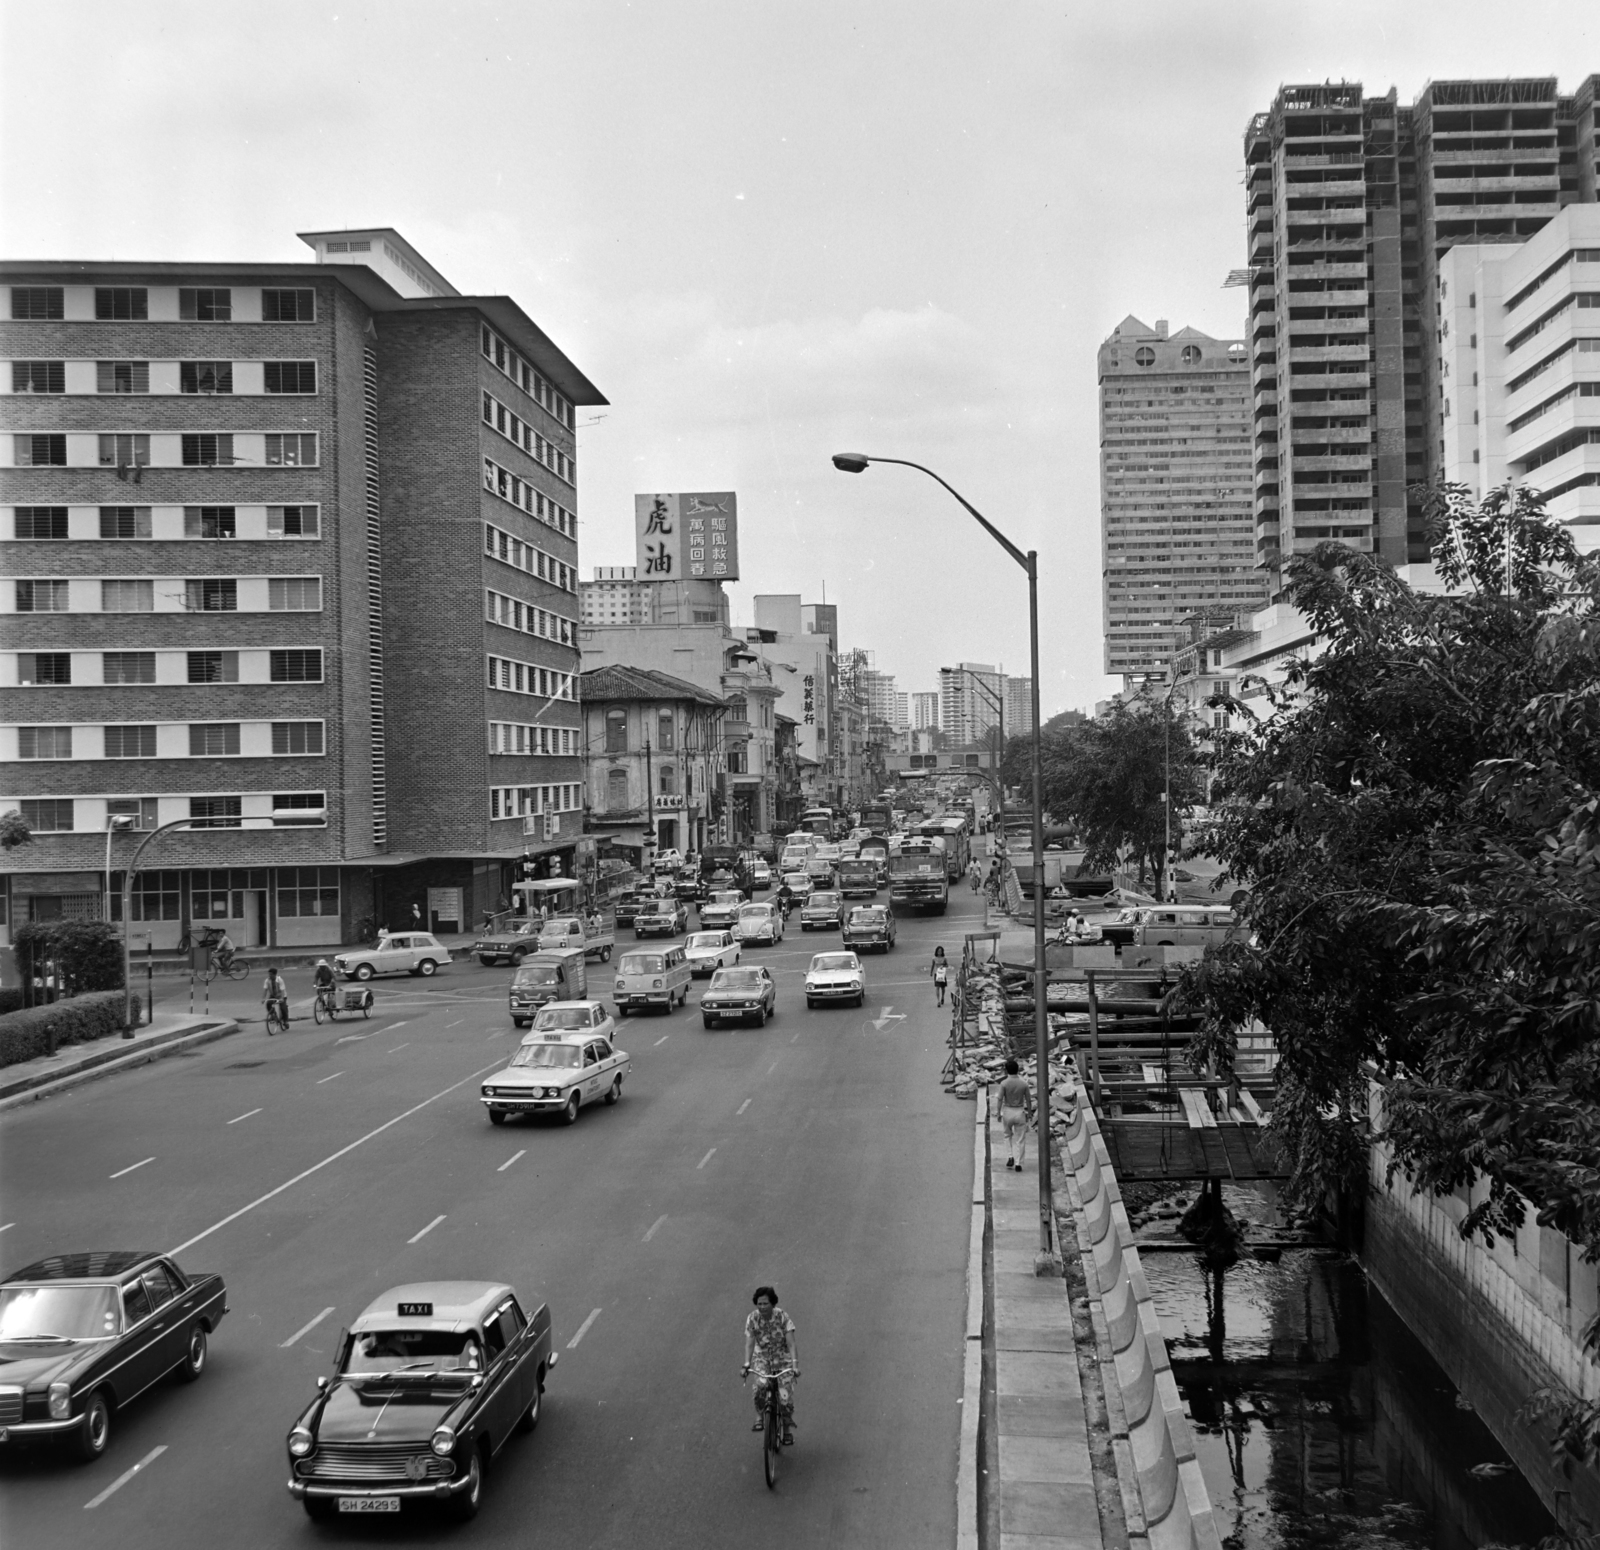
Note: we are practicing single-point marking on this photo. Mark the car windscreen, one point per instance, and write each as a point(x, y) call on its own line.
point(791, 878)
point(825, 899)
point(382, 1351)
point(831, 963)
point(548, 1057)
point(563, 928)
point(866, 917)
point(754, 911)
point(727, 897)
point(736, 979)
point(641, 963)
point(564, 1019)
point(50, 1313)
point(704, 939)
point(537, 974)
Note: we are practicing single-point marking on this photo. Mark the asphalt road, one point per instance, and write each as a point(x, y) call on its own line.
point(317, 1169)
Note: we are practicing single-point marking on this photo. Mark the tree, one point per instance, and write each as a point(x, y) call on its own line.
point(1418, 822)
point(87, 953)
point(14, 830)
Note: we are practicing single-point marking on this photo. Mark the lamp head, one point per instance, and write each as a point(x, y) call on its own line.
point(120, 823)
point(850, 462)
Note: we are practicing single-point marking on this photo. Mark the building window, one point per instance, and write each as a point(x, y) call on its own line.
point(209, 522)
point(42, 597)
point(295, 451)
point(206, 451)
point(129, 667)
point(295, 667)
point(616, 731)
point(211, 305)
point(38, 303)
point(125, 451)
point(48, 815)
point(121, 303)
point(666, 732)
point(122, 376)
point(294, 594)
point(308, 890)
point(127, 597)
point(143, 811)
point(38, 376)
point(1144, 356)
point(290, 737)
point(216, 813)
point(40, 522)
point(211, 595)
point(616, 791)
point(1190, 355)
point(44, 742)
point(299, 810)
point(291, 376)
point(668, 780)
point(205, 376)
point(214, 739)
point(124, 521)
point(296, 306)
point(292, 521)
point(40, 451)
point(213, 667)
point(130, 742)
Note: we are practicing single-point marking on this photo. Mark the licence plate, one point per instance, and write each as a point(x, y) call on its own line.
point(369, 1504)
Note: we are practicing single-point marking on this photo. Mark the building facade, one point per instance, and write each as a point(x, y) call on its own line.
point(925, 710)
point(971, 701)
point(293, 561)
point(1175, 517)
point(1019, 706)
point(616, 596)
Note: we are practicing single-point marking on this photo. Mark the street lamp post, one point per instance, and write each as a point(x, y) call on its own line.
point(127, 916)
point(856, 463)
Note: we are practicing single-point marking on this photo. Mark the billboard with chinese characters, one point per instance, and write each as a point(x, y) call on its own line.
point(693, 537)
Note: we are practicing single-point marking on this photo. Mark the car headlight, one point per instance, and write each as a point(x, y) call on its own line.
point(443, 1441)
point(301, 1442)
point(622, 984)
point(60, 1401)
point(655, 984)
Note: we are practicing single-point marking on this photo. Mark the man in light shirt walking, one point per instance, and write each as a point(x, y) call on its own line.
point(1016, 1107)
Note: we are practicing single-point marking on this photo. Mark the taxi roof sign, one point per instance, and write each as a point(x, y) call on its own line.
point(414, 1310)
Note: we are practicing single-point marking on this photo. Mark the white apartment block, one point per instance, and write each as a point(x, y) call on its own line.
point(925, 711)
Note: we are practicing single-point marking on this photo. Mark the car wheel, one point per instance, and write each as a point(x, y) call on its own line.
point(519, 1022)
point(811, 1005)
point(761, 1017)
point(320, 1509)
point(93, 1435)
point(194, 1357)
point(464, 1505)
point(705, 1022)
point(517, 957)
point(605, 955)
point(615, 1092)
point(569, 1115)
point(363, 971)
point(530, 1417)
point(427, 968)
point(488, 963)
point(861, 1000)
point(497, 1116)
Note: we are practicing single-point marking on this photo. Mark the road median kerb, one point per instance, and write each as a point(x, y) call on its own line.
point(109, 1057)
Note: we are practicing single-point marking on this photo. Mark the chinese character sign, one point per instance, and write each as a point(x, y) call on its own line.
point(694, 536)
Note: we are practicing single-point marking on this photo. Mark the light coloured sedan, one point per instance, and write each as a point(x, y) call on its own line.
point(759, 923)
point(567, 1061)
point(835, 977)
point(799, 885)
point(708, 951)
point(404, 952)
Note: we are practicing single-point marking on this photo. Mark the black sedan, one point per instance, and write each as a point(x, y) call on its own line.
point(744, 993)
point(429, 1384)
point(83, 1334)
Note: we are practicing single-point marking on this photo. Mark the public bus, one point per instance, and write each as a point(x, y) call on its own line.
point(957, 836)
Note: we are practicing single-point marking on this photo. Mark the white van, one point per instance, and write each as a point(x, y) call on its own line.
point(656, 976)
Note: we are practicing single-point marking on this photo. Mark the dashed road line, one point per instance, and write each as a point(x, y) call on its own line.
point(703, 1161)
point(796, 1038)
point(334, 1077)
point(583, 1329)
point(662, 1040)
point(398, 1047)
point(405, 1022)
point(498, 1033)
point(773, 1067)
point(120, 1171)
point(657, 1225)
point(508, 1162)
point(305, 1329)
point(458, 1020)
point(356, 1038)
point(8, 1226)
point(125, 1477)
point(418, 1237)
point(245, 1115)
point(742, 1107)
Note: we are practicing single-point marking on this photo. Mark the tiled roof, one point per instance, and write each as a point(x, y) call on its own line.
point(602, 684)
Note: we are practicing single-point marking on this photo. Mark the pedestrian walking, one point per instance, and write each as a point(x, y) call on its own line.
point(1016, 1107)
point(974, 874)
point(940, 970)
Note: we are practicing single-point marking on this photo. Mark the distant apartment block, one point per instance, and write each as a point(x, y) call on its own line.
point(1019, 706)
point(971, 700)
point(616, 596)
point(925, 711)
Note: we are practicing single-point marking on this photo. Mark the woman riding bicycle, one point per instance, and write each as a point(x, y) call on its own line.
point(770, 1346)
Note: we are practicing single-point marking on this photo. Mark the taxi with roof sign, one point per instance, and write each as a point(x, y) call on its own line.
point(568, 1060)
point(429, 1384)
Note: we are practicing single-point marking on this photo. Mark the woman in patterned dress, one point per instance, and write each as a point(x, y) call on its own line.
point(770, 1345)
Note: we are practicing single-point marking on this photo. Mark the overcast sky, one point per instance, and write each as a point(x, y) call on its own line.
point(766, 231)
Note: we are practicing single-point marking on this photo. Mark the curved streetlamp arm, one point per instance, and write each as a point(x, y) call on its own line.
point(1026, 561)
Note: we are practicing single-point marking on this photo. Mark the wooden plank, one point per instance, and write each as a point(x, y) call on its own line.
point(1194, 1108)
point(1155, 1075)
point(1248, 1103)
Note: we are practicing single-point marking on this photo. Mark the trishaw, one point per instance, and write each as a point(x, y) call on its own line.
point(334, 1003)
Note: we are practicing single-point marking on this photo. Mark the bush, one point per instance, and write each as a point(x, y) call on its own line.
point(26, 1035)
point(10, 999)
point(87, 953)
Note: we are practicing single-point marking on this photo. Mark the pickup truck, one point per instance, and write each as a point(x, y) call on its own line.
point(567, 931)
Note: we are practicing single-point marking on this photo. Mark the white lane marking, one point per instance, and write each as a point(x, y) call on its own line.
point(583, 1329)
point(796, 1038)
point(703, 1161)
point(887, 1016)
point(356, 1038)
point(398, 1047)
point(305, 1329)
point(452, 1025)
point(332, 1157)
point(656, 1225)
point(662, 1040)
point(120, 1171)
point(417, 1237)
point(335, 1076)
point(8, 1226)
point(773, 1067)
point(508, 1162)
point(245, 1115)
point(405, 1022)
point(742, 1107)
point(499, 1033)
point(126, 1476)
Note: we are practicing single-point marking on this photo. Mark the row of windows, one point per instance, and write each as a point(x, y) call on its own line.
point(38, 669)
point(521, 801)
point(498, 418)
point(131, 303)
point(518, 615)
point(526, 678)
point(520, 737)
point(139, 595)
point(512, 487)
point(501, 545)
point(171, 740)
point(165, 522)
point(302, 891)
point(62, 449)
point(500, 354)
point(287, 810)
point(1553, 316)
point(195, 377)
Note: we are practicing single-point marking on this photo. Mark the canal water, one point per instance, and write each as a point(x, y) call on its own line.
point(1320, 1420)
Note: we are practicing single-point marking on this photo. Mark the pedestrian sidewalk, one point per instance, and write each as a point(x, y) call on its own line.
point(168, 1034)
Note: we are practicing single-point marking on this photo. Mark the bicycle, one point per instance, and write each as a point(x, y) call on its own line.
point(235, 967)
point(772, 1422)
point(325, 1005)
point(277, 1018)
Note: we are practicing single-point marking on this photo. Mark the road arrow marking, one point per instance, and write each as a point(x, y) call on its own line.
point(887, 1016)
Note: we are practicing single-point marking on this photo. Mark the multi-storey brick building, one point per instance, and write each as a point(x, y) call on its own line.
point(292, 558)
